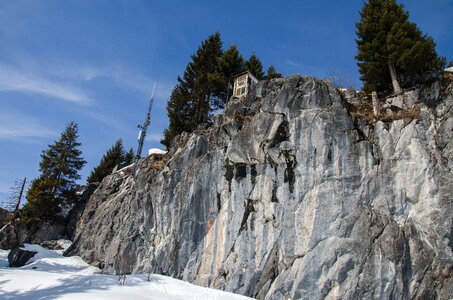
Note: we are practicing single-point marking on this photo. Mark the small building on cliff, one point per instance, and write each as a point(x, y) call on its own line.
point(243, 83)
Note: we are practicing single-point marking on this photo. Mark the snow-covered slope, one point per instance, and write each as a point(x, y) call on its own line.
point(52, 276)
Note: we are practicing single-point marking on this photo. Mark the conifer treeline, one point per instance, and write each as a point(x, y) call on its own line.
point(56, 186)
point(114, 157)
point(204, 85)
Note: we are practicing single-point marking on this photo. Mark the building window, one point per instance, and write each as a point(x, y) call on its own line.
point(240, 91)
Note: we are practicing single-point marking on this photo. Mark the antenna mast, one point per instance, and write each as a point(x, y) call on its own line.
point(144, 127)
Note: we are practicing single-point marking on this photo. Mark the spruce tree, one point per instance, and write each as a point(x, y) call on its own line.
point(201, 90)
point(178, 107)
point(272, 73)
point(128, 158)
point(56, 185)
point(41, 201)
point(231, 64)
point(113, 157)
point(254, 66)
point(390, 45)
point(204, 81)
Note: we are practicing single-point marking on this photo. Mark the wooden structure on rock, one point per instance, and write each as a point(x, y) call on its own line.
point(243, 83)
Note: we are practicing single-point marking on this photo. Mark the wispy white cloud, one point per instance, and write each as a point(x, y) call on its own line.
point(86, 73)
point(71, 82)
point(121, 75)
point(22, 128)
point(30, 81)
point(141, 83)
point(62, 79)
point(293, 63)
point(154, 137)
point(5, 184)
point(131, 79)
point(106, 120)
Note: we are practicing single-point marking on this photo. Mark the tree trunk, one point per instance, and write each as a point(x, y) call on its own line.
point(395, 83)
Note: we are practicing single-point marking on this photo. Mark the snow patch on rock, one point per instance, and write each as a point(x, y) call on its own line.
point(156, 151)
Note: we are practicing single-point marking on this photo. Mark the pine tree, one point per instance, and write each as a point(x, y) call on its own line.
point(113, 157)
point(204, 81)
point(56, 185)
point(272, 73)
point(202, 89)
point(254, 66)
point(231, 64)
point(178, 107)
point(389, 44)
point(128, 158)
point(41, 200)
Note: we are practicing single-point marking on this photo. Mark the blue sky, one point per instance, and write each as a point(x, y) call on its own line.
point(94, 62)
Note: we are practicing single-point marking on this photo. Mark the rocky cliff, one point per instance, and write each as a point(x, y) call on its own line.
point(292, 193)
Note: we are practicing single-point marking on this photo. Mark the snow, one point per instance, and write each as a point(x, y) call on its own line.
point(156, 151)
point(450, 69)
point(49, 275)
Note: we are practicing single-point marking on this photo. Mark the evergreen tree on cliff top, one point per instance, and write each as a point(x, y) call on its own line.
point(56, 185)
point(389, 44)
point(201, 90)
point(230, 65)
point(115, 156)
point(272, 73)
point(203, 81)
point(178, 114)
point(254, 66)
point(204, 86)
point(128, 157)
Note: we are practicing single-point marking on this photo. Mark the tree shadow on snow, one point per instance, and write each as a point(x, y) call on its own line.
point(75, 284)
point(79, 284)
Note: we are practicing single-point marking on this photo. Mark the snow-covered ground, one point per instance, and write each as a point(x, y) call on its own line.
point(53, 276)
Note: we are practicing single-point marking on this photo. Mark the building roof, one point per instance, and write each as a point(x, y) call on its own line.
point(250, 74)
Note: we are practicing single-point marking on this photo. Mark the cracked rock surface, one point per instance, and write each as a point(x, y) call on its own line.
point(287, 197)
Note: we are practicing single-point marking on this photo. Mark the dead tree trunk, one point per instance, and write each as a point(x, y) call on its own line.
point(395, 83)
point(376, 105)
point(20, 195)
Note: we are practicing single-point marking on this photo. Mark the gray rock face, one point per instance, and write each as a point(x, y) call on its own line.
point(288, 197)
point(15, 233)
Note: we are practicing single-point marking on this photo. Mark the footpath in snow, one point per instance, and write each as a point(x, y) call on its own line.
point(49, 275)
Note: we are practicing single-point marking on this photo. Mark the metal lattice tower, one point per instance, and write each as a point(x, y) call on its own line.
point(144, 127)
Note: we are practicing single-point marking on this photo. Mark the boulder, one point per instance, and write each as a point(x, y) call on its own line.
point(18, 256)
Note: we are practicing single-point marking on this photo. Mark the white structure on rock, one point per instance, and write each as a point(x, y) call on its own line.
point(243, 83)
